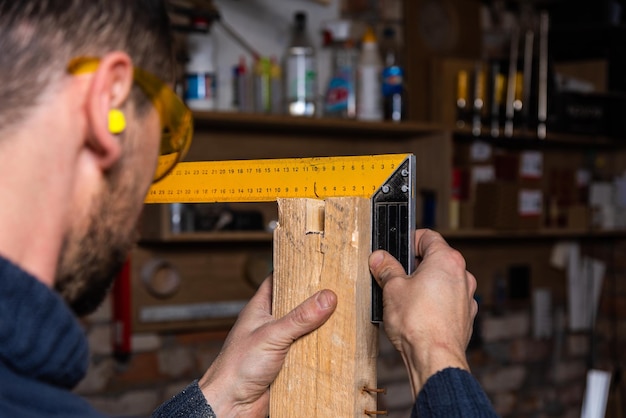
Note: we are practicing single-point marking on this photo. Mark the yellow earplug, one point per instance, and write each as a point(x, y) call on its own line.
point(117, 121)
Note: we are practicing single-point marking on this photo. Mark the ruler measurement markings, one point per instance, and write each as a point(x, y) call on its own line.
point(266, 180)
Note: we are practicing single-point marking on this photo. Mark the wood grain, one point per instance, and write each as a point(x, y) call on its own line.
point(325, 371)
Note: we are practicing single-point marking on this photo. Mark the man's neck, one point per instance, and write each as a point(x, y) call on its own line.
point(36, 190)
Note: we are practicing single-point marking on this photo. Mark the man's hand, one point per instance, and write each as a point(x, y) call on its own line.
point(428, 316)
point(237, 383)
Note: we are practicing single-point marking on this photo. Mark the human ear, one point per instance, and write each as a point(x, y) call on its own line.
point(109, 90)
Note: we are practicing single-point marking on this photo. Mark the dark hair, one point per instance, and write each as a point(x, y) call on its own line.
point(39, 37)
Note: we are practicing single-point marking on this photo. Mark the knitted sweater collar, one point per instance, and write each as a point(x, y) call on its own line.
point(41, 338)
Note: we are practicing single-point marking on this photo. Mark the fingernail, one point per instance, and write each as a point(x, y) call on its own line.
point(324, 300)
point(376, 258)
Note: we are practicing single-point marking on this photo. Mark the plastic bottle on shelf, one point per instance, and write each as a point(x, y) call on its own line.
point(300, 70)
point(392, 78)
point(276, 88)
point(368, 98)
point(242, 86)
point(262, 85)
point(340, 98)
point(200, 72)
point(235, 77)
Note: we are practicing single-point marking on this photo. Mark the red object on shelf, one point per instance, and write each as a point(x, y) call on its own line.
point(121, 331)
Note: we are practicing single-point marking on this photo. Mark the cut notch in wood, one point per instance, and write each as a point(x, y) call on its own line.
point(314, 214)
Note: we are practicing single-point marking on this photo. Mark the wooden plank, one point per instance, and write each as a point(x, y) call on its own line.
point(353, 130)
point(325, 245)
point(431, 175)
point(444, 81)
point(456, 33)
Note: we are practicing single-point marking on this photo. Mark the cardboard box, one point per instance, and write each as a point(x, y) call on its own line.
point(472, 152)
point(563, 187)
point(524, 168)
point(496, 205)
point(466, 215)
point(578, 217)
point(505, 205)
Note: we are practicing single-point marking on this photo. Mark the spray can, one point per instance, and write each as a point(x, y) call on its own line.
point(200, 72)
point(392, 78)
point(300, 70)
point(340, 97)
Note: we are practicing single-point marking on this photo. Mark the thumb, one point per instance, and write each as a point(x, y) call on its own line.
point(306, 317)
point(385, 267)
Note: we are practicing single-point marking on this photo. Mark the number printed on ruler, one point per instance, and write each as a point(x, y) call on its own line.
point(267, 180)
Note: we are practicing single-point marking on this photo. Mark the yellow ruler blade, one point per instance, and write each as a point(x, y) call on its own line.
point(267, 180)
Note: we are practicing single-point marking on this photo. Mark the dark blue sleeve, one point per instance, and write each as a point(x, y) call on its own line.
point(452, 393)
point(190, 403)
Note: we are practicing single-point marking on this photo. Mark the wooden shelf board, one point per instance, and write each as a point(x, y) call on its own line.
point(480, 234)
point(215, 237)
point(561, 141)
point(484, 234)
point(260, 123)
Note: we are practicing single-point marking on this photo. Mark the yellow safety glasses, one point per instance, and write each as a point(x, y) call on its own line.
point(176, 118)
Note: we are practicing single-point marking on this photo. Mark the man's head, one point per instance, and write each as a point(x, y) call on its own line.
point(38, 40)
point(39, 37)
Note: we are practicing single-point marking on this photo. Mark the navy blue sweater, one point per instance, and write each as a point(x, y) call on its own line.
point(452, 393)
point(43, 350)
point(44, 354)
